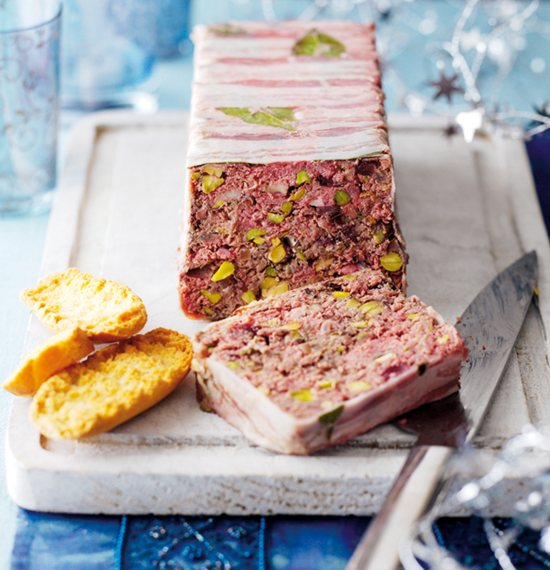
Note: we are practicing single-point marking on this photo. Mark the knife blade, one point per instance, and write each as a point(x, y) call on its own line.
point(489, 326)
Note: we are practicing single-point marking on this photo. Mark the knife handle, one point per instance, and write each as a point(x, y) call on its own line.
point(412, 494)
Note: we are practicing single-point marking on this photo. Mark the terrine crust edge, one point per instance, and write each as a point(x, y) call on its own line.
point(221, 390)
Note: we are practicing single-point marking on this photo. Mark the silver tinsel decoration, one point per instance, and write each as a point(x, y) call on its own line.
point(525, 457)
point(468, 61)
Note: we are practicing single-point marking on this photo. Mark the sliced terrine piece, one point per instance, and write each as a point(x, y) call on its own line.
point(321, 364)
point(290, 176)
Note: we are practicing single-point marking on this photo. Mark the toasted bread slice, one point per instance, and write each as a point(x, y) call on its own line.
point(106, 311)
point(60, 351)
point(112, 385)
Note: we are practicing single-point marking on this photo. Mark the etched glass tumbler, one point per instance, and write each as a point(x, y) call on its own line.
point(29, 86)
point(101, 64)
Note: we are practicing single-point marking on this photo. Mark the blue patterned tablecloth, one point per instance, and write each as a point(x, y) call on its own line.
point(46, 541)
point(58, 542)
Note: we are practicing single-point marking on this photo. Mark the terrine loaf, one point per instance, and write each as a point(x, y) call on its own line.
point(290, 176)
point(321, 364)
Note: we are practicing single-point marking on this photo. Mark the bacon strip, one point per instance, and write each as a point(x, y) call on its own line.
point(258, 69)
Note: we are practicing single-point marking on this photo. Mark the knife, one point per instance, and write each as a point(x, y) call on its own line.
point(489, 326)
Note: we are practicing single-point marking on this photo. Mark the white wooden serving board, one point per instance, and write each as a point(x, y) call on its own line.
point(466, 210)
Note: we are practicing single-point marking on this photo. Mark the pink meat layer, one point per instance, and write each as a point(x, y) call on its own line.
point(295, 223)
point(324, 363)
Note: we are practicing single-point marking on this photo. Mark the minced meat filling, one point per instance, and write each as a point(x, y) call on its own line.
point(282, 225)
point(324, 344)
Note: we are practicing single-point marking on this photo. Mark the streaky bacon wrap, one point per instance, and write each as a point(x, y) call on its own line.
point(316, 366)
point(290, 175)
point(337, 101)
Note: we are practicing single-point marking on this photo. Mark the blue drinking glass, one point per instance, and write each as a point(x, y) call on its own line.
point(160, 27)
point(102, 65)
point(29, 87)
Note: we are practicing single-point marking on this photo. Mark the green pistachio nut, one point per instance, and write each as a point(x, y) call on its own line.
point(371, 308)
point(275, 218)
point(342, 198)
point(298, 195)
point(248, 297)
point(302, 178)
point(251, 234)
point(213, 171)
point(378, 236)
point(210, 183)
point(224, 271)
point(212, 297)
point(303, 395)
point(277, 254)
point(391, 262)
